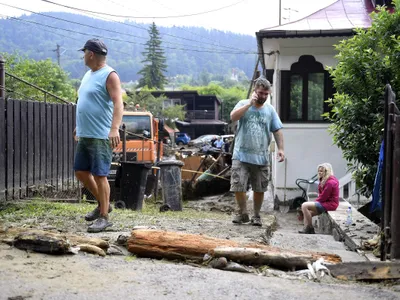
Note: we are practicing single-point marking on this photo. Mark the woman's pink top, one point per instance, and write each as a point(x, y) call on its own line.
point(328, 195)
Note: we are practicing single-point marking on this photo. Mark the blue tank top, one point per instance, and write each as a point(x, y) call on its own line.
point(94, 110)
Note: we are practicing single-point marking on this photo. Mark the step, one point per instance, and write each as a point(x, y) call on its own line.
point(360, 230)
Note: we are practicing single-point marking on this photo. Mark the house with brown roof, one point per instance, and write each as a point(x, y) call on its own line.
point(294, 57)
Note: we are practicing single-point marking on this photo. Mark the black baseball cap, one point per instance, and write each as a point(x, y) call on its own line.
point(96, 46)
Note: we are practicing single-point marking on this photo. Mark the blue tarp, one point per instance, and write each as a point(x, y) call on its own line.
point(376, 204)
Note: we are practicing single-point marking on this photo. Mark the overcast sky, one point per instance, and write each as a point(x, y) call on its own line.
point(240, 16)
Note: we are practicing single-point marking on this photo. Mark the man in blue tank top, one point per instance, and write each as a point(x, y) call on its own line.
point(256, 121)
point(98, 117)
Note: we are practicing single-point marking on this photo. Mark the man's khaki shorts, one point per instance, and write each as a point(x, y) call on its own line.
point(242, 172)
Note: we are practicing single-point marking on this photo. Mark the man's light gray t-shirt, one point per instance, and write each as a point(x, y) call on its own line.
point(253, 134)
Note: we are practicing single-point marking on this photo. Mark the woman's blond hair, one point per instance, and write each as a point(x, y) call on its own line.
point(328, 172)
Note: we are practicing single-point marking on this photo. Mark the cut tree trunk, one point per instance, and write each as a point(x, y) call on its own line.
point(259, 257)
point(173, 245)
point(46, 241)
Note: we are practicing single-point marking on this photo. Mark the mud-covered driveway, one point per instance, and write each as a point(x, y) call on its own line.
point(39, 276)
point(26, 275)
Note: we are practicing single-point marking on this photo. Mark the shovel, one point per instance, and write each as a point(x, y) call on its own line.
point(285, 205)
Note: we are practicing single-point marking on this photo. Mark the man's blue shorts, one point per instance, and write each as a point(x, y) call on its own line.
point(93, 155)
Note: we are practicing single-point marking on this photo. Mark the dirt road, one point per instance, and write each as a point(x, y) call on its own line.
point(84, 276)
point(39, 276)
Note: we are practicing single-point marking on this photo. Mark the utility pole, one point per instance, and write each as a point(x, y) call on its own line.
point(57, 50)
point(280, 12)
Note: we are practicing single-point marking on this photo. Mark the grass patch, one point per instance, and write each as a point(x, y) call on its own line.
point(62, 215)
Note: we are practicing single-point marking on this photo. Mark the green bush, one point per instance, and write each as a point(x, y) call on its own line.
point(366, 63)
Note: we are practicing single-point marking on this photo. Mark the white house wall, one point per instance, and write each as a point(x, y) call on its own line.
point(306, 145)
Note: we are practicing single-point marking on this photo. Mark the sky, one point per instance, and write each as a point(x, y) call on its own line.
point(239, 16)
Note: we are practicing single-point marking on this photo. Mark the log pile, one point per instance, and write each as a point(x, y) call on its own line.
point(173, 245)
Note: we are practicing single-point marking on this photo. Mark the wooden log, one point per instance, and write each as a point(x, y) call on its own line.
point(259, 257)
point(173, 245)
point(78, 239)
point(367, 270)
point(91, 249)
point(43, 242)
point(46, 241)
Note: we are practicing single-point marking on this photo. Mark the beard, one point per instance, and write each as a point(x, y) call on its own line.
point(261, 101)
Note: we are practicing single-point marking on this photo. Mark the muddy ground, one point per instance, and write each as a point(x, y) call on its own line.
point(26, 275)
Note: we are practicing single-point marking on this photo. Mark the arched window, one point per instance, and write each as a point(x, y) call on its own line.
point(304, 90)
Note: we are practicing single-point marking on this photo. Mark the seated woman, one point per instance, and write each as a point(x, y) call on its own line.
point(328, 197)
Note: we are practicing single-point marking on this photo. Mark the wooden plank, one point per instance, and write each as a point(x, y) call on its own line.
point(49, 143)
point(10, 149)
point(54, 153)
point(370, 270)
point(17, 148)
point(3, 151)
point(60, 145)
point(74, 144)
point(24, 147)
point(70, 145)
point(42, 141)
point(36, 144)
point(31, 143)
point(65, 141)
point(192, 163)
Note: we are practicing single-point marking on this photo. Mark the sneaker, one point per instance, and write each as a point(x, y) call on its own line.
point(99, 225)
point(241, 218)
point(256, 221)
point(307, 230)
point(95, 213)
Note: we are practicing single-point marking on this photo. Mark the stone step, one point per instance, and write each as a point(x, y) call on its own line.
point(334, 222)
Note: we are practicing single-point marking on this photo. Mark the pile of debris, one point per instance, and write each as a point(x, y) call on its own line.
point(204, 174)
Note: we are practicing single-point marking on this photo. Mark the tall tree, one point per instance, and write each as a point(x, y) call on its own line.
point(155, 62)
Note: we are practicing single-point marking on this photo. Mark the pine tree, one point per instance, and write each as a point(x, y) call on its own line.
point(154, 63)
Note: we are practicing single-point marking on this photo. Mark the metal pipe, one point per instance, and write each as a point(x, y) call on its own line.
point(2, 78)
point(123, 142)
point(160, 133)
point(143, 148)
point(38, 88)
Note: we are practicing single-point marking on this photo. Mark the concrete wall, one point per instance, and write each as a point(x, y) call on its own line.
point(306, 144)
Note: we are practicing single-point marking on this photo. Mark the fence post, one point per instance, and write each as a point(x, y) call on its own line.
point(387, 173)
point(2, 78)
point(395, 219)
